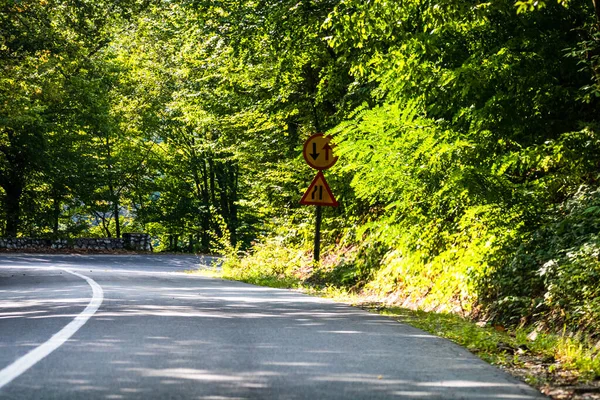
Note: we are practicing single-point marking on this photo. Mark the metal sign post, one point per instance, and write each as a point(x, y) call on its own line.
point(318, 153)
point(319, 216)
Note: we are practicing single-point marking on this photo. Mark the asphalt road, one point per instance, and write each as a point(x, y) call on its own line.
point(135, 327)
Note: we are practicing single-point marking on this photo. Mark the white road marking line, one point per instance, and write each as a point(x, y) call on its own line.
point(21, 365)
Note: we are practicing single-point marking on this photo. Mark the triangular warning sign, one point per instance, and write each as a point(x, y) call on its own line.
point(319, 193)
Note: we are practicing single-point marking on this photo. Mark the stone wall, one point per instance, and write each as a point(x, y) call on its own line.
point(97, 244)
point(137, 241)
point(25, 243)
point(130, 241)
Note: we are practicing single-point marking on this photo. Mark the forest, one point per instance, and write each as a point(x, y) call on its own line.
point(468, 136)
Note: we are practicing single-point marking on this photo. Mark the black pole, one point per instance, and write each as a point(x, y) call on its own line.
point(319, 216)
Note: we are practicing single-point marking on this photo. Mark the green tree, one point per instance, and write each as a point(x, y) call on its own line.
point(51, 55)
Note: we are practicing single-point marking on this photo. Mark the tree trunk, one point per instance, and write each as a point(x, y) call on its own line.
point(102, 218)
point(117, 218)
point(205, 241)
point(55, 214)
point(13, 192)
point(233, 215)
point(228, 181)
point(222, 180)
point(213, 193)
point(12, 180)
point(114, 196)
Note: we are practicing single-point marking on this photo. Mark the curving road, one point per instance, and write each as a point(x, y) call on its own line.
point(135, 327)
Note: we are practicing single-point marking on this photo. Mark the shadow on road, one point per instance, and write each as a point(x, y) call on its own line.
point(143, 263)
point(181, 336)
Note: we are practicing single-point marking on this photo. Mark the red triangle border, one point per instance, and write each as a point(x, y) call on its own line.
point(306, 202)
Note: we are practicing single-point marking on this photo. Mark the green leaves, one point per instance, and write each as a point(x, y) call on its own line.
point(462, 129)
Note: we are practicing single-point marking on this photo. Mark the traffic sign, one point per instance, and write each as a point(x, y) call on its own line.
point(318, 152)
point(319, 193)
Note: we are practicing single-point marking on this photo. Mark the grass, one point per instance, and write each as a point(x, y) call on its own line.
point(270, 281)
point(210, 272)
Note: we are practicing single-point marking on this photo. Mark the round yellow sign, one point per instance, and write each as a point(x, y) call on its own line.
point(318, 152)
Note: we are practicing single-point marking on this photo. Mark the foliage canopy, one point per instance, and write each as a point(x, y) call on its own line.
point(468, 136)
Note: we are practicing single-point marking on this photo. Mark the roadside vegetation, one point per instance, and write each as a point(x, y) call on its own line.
point(468, 134)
